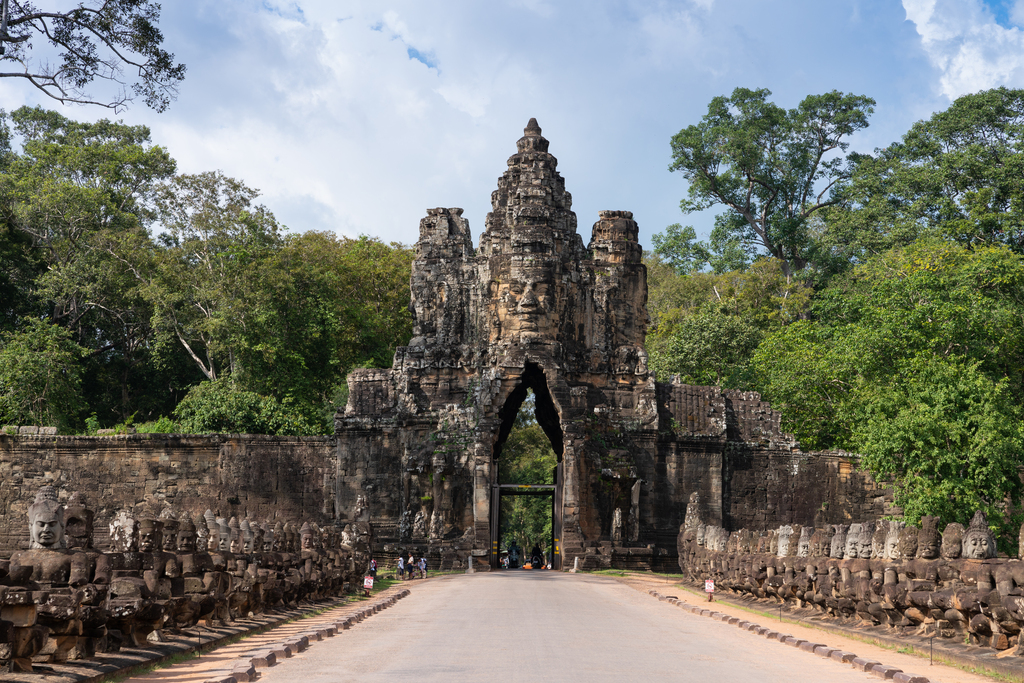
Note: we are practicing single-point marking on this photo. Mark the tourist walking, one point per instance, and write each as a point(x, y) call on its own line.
point(423, 566)
point(410, 564)
point(401, 568)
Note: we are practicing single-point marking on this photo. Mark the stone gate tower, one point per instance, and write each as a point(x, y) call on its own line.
point(533, 308)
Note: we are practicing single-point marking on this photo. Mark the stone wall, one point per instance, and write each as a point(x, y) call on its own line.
point(238, 475)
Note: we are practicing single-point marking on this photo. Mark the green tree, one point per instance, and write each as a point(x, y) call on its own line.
point(40, 376)
point(772, 169)
point(705, 326)
point(726, 250)
point(70, 193)
point(219, 406)
point(208, 267)
point(959, 175)
point(947, 436)
point(95, 39)
point(914, 361)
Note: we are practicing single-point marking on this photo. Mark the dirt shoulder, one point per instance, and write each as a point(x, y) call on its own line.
point(973, 665)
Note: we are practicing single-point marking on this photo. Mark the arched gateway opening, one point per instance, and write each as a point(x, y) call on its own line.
point(516, 487)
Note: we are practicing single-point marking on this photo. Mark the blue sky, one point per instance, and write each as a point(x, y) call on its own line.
point(358, 116)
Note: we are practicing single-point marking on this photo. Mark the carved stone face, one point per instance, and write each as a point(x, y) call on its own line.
point(838, 548)
point(186, 541)
point(785, 534)
point(892, 544)
point(817, 544)
point(908, 543)
point(852, 548)
point(864, 541)
point(46, 528)
point(977, 546)
point(878, 539)
point(78, 528)
point(952, 541)
point(150, 539)
point(804, 546)
point(523, 304)
point(170, 540)
point(307, 541)
point(928, 544)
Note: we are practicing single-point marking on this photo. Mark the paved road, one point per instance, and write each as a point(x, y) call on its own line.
point(547, 626)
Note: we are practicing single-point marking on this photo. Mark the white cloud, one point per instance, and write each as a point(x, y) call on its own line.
point(323, 107)
point(1017, 13)
point(969, 48)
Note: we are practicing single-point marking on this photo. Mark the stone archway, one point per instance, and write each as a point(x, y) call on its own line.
point(547, 416)
point(533, 306)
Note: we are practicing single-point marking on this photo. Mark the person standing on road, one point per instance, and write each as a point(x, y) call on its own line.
point(411, 564)
point(401, 568)
point(373, 569)
point(423, 566)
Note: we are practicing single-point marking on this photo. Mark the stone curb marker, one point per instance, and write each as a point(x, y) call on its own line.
point(244, 669)
point(861, 664)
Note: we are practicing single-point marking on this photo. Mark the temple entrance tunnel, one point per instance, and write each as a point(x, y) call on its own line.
point(527, 476)
point(531, 307)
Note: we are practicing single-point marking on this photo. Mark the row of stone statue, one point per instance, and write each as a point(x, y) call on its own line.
point(910, 579)
point(64, 599)
point(881, 539)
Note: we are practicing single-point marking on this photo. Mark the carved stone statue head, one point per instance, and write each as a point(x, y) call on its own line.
point(224, 535)
point(702, 531)
point(78, 522)
point(952, 541)
point(170, 530)
point(744, 542)
point(867, 533)
point(773, 542)
point(978, 542)
point(212, 531)
point(803, 548)
point(257, 537)
point(892, 540)
point(783, 535)
point(235, 535)
point(124, 532)
point(852, 548)
point(878, 539)
point(248, 537)
point(908, 543)
point(279, 539)
point(838, 549)
point(306, 537)
point(929, 542)
point(46, 520)
point(186, 540)
point(150, 535)
point(202, 532)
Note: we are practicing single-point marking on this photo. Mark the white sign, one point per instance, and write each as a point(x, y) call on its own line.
point(709, 586)
point(368, 582)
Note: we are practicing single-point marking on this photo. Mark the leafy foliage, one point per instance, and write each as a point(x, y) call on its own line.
point(219, 406)
point(40, 376)
point(946, 435)
point(959, 175)
point(914, 361)
point(95, 39)
point(706, 325)
point(772, 169)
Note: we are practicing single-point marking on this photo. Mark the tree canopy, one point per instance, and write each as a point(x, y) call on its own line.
point(771, 168)
point(902, 344)
point(62, 52)
point(155, 287)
